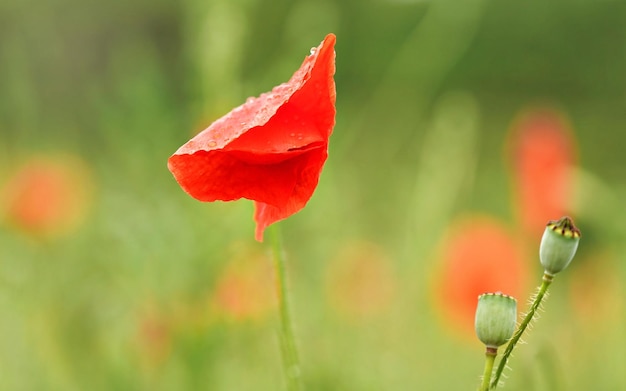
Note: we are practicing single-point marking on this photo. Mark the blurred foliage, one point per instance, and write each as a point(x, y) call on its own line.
point(145, 294)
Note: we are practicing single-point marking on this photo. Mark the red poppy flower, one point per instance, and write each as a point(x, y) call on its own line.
point(241, 291)
point(153, 340)
point(47, 196)
point(271, 149)
point(361, 281)
point(479, 256)
point(543, 153)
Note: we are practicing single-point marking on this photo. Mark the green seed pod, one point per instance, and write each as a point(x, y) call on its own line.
point(558, 245)
point(496, 314)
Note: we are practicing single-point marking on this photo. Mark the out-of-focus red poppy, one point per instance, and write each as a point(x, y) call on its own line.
point(154, 338)
point(271, 149)
point(241, 291)
point(596, 292)
point(360, 280)
point(46, 196)
point(479, 255)
point(542, 153)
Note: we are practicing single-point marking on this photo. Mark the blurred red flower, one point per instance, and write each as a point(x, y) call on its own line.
point(596, 292)
point(153, 339)
point(360, 280)
point(542, 153)
point(271, 149)
point(241, 290)
point(47, 196)
point(479, 256)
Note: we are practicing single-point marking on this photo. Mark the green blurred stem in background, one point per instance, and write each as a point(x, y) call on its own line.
point(547, 280)
point(291, 362)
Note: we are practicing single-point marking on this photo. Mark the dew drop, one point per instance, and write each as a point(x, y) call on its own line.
point(313, 50)
point(292, 134)
point(212, 144)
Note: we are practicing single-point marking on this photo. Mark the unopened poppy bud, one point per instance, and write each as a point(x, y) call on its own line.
point(558, 245)
point(495, 318)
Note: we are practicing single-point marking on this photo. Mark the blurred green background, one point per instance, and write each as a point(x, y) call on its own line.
point(123, 282)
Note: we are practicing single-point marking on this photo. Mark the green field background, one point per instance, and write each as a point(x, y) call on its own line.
point(153, 290)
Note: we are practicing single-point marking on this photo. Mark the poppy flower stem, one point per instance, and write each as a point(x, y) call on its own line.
point(543, 289)
point(490, 357)
point(291, 362)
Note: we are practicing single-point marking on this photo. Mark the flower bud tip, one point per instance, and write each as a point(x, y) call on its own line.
point(558, 245)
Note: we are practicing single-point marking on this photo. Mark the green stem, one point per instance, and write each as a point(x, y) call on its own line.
point(291, 363)
point(547, 280)
point(490, 357)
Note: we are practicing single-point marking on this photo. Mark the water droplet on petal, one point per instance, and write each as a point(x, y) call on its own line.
point(313, 50)
point(292, 134)
point(212, 144)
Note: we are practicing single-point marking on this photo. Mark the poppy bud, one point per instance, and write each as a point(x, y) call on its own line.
point(558, 245)
point(496, 314)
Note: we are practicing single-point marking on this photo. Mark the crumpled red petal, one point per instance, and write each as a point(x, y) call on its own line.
point(271, 149)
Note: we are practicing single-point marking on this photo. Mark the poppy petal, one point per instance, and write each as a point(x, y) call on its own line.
point(306, 171)
point(271, 149)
